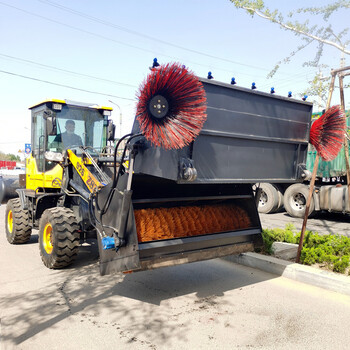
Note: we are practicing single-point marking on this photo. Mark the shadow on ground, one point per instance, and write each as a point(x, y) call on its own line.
point(141, 300)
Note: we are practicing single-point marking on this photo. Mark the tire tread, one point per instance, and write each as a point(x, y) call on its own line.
point(66, 240)
point(21, 228)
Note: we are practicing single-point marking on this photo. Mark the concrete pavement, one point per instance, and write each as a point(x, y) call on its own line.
point(323, 223)
point(301, 273)
point(214, 304)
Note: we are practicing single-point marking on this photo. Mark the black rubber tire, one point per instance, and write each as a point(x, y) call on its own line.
point(269, 199)
point(18, 230)
point(295, 198)
point(280, 197)
point(58, 237)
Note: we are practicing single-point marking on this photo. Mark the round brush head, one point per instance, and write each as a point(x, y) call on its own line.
point(171, 108)
point(328, 132)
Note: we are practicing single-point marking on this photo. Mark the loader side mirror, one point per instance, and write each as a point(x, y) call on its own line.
point(51, 125)
point(110, 131)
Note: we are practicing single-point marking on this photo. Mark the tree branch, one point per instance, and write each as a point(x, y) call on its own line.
point(294, 29)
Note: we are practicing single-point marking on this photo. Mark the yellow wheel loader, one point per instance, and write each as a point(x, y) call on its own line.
point(49, 201)
point(150, 206)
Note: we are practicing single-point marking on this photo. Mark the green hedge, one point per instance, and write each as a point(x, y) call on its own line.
point(330, 251)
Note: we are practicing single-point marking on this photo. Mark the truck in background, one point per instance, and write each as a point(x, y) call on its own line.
point(9, 180)
point(330, 192)
point(7, 164)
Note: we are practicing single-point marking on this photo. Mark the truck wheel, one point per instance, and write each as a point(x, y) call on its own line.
point(280, 197)
point(295, 199)
point(269, 201)
point(58, 237)
point(17, 225)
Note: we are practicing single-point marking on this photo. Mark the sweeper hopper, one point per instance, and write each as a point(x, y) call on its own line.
point(173, 206)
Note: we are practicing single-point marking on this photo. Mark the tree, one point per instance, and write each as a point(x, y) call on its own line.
point(9, 156)
point(310, 32)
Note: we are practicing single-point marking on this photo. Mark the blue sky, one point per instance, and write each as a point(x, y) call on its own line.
point(106, 47)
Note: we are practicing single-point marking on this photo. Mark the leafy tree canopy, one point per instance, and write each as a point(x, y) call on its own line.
point(310, 31)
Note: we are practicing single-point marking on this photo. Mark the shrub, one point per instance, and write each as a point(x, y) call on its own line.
point(308, 256)
point(332, 251)
point(341, 264)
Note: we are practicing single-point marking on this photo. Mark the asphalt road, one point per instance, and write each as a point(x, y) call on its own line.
point(322, 222)
point(206, 305)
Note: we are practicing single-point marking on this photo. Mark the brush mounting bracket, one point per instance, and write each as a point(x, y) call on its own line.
point(187, 170)
point(303, 173)
point(158, 106)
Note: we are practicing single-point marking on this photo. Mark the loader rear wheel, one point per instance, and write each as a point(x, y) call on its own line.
point(295, 199)
point(58, 237)
point(17, 226)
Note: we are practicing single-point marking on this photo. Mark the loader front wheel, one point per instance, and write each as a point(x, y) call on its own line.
point(17, 226)
point(58, 237)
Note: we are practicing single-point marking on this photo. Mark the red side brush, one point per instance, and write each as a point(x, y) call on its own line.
point(171, 108)
point(327, 133)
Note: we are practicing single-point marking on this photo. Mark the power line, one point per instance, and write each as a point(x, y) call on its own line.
point(282, 82)
point(134, 32)
point(67, 71)
point(110, 39)
point(120, 42)
point(41, 65)
point(65, 86)
point(10, 143)
point(109, 24)
point(75, 28)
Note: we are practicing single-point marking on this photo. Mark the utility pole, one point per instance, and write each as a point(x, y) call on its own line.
point(320, 89)
point(120, 117)
point(342, 60)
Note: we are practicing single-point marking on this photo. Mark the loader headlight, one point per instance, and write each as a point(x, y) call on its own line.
point(57, 106)
point(54, 156)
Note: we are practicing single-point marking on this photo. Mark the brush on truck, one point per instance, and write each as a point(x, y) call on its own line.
point(179, 192)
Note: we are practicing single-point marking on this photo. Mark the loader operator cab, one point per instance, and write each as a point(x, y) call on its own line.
point(60, 124)
point(66, 139)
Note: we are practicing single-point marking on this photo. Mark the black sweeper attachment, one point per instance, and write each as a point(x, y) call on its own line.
point(182, 192)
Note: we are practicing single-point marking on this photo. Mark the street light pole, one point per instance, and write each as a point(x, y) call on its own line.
point(120, 117)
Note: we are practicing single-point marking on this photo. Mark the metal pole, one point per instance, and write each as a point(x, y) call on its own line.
point(331, 89)
point(336, 71)
point(346, 146)
point(120, 117)
point(307, 208)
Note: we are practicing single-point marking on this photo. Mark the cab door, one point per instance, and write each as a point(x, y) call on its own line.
point(39, 140)
point(39, 172)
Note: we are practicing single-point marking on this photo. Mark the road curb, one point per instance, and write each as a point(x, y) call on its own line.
point(305, 274)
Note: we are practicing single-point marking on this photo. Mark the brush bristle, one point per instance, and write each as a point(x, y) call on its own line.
point(186, 100)
point(327, 133)
point(154, 224)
